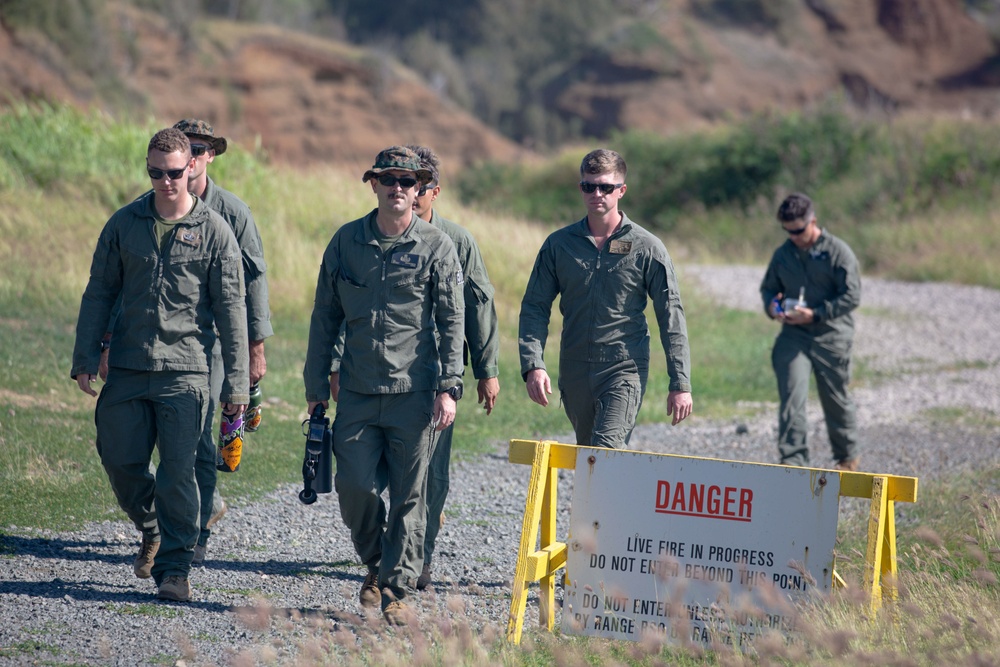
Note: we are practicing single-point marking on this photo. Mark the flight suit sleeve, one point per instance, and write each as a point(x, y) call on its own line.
point(99, 298)
point(770, 285)
point(324, 328)
point(664, 291)
point(448, 290)
point(255, 275)
point(482, 328)
point(536, 309)
point(848, 277)
point(228, 294)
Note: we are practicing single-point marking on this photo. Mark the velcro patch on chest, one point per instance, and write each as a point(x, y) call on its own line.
point(189, 237)
point(617, 247)
point(405, 259)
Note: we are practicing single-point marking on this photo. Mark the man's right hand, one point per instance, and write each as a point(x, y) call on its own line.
point(334, 387)
point(311, 405)
point(539, 386)
point(772, 308)
point(84, 380)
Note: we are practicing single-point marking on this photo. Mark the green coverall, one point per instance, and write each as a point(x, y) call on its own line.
point(173, 300)
point(482, 344)
point(604, 354)
point(404, 313)
point(234, 211)
point(829, 272)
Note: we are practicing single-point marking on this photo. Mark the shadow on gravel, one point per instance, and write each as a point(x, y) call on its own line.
point(72, 550)
point(110, 552)
point(94, 591)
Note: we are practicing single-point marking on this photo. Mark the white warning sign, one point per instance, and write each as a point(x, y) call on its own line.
point(694, 550)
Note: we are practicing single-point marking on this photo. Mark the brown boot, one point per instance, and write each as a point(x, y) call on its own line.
point(424, 580)
point(370, 595)
point(850, 465)
point(174, 588)
point(398, 613)
point(143, 563)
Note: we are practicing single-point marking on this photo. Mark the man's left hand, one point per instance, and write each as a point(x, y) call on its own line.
point(680, 405)
point(489, 389)
point(258, 364)
point(799, 315)
point(233, 409)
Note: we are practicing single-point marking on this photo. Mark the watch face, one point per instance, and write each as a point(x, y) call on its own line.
point(455, 392)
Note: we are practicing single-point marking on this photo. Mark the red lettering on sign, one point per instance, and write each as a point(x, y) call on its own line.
point(703, 500)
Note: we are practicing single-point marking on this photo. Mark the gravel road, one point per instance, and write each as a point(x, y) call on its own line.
point(70, 597)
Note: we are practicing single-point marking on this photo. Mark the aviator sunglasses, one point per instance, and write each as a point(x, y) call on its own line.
point(605, 188)
point(405, 182)
point(795, 232)
point(197, 150)
point(157, 174)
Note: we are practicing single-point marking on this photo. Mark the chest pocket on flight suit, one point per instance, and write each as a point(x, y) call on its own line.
point(407, 301)
point(624, 283)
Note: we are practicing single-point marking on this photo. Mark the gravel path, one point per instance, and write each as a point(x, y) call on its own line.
point(70, 598)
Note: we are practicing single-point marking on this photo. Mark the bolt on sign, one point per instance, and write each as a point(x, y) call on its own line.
point(695, 551)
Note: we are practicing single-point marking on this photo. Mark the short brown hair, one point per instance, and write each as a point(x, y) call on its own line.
point(170, 140)
point(796, 206)
point(603, 161)
point(428, 160)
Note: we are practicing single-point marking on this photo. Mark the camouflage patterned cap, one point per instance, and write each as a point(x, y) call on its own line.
point(199, 129)
point(401, 158)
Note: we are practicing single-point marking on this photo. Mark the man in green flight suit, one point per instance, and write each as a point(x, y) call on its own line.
point(816, 336)
point(396, 284)
point(604, 268)
point(482, 346)
point(482, 343)
point(177, 269)
point(205, 147)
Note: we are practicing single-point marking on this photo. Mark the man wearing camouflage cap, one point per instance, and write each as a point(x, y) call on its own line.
point(394, 281)
point(205, 147)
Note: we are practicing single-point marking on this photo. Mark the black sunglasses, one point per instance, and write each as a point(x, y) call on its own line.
point(424, 189)
point(605, 188)
point(405, 182)
point(198, 150)
point(157, 174)
point(795, 232)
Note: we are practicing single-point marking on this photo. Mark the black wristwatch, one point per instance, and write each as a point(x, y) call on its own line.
point(105, 345)
point(455, 392)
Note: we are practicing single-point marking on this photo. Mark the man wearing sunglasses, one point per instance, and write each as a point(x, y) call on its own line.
point(205, 147)
point(605, 268)
point(176, 268)
point(815, 338)
point(395, 284)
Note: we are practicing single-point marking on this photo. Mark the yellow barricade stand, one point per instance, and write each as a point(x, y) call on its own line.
point(540, 555)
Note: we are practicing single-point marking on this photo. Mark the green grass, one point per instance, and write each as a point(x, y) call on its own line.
point(149, 609)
